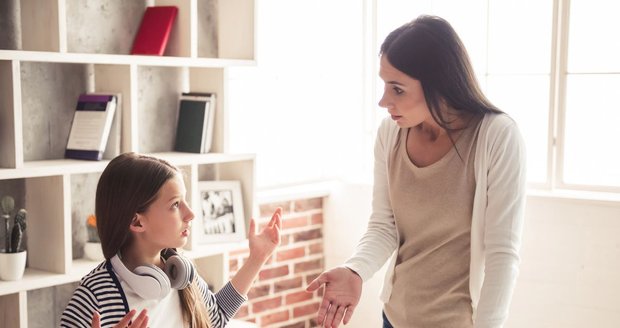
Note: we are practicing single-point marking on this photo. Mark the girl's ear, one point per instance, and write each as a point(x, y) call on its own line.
point(137, 223)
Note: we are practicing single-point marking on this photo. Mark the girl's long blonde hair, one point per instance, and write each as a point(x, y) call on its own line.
point(194, 309)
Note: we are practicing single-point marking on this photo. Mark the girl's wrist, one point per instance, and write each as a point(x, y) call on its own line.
point(258, 259)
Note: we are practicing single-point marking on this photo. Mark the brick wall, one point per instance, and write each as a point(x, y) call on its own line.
point(278, 297)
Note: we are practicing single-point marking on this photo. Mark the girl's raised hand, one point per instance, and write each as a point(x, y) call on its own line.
point(141, 321)
point(264, 243)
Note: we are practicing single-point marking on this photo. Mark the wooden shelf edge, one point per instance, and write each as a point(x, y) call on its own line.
point(81, 58)
point(70, 166)
point(37, 279)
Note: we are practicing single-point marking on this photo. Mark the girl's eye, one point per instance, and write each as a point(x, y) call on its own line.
point(175, 205)
point(398, 90)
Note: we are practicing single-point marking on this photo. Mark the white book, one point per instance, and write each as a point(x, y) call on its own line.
point(91, 125)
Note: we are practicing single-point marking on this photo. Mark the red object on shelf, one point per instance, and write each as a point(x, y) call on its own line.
point(154, 30)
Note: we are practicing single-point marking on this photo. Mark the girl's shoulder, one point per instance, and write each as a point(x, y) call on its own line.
point(100, 275)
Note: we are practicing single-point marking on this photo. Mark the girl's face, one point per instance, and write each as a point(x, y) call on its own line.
point(403, 97)
point(167, 220)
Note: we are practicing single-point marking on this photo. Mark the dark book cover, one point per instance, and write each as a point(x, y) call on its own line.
point(190, 126)
point(154, 30)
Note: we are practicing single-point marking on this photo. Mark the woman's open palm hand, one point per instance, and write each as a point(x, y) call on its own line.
point(343, 289)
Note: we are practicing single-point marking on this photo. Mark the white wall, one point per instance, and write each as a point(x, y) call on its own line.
point(346, 212)
point(570, 271)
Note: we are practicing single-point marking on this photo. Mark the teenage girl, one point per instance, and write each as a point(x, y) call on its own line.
point(142, 218)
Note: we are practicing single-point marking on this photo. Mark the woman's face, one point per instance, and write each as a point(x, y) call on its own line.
point(403, 97)
point(167, 219)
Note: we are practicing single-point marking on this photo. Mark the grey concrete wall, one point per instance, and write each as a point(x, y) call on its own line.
point(158, 102)
point(106, 26)
point(49, 96)
point(207, 29)
point(45, 305)
point(10, 26)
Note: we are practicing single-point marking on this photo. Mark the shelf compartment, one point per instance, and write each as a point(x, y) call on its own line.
point(14, 312)
point(83, 191)
point(242, 171)
point(49, 95)
point(102, 27)
point(49, 232)
point(159, 89)
point(11, 154)
point(46, 30)
point(235, 24)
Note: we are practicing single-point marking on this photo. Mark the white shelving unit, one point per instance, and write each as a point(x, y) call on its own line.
point(71, 46)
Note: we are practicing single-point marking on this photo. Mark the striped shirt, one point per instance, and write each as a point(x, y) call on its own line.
point(101, 291)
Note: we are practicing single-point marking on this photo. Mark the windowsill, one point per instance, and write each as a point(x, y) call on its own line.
point(294, 192)
point(325, 188)
point(590, 197)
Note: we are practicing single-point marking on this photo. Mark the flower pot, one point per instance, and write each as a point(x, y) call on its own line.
point(12, 265)
point(93, 251)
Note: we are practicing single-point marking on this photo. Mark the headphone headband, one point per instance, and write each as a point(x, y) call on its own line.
point(151, 282)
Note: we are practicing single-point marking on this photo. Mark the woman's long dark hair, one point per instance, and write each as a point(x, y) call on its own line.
point(429, 50)
point(128, 185)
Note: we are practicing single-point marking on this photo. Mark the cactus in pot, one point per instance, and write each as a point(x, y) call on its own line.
point(7, 205)
point(19, 227)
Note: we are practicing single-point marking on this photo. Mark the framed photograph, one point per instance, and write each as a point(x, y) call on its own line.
point(221, 212)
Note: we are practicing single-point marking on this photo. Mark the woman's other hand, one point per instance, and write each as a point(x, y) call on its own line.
point(343, 289)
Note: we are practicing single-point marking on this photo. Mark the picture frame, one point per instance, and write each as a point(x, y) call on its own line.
point(220, 213)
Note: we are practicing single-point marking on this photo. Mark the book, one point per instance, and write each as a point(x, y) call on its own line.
point(113, 145)
point(154, 30)
point(91, 126)
point(195, 122)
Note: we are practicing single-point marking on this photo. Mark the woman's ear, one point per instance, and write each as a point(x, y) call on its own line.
point(137, 223)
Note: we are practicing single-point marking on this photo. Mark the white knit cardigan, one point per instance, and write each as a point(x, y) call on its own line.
point(497, 218)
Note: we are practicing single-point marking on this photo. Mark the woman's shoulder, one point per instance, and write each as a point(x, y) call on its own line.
point(496, 122)
point(388, 129)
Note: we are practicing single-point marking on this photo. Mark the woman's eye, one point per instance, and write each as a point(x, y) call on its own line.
point(175, 205)
point(398, 90)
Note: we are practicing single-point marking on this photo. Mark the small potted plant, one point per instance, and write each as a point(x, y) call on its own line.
point(92, 247)
point(13, 255)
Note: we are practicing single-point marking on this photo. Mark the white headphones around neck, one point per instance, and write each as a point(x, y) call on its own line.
point(151, 282)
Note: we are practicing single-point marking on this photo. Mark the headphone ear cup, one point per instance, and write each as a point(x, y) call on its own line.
point(180, 271)
point(159, 276)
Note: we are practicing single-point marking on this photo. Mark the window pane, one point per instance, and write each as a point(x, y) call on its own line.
point(594, 45)
point(591, 154)
point(520, 36)
point(300, 108)
point(471, 27)
point(526, 99)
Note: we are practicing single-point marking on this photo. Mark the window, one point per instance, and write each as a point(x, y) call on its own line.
point(526, 68)
point(309, 109)
point(299, 108)
point(592, 110)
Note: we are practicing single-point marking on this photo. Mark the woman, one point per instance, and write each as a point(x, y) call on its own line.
point(448, 194)
point(142, 218)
